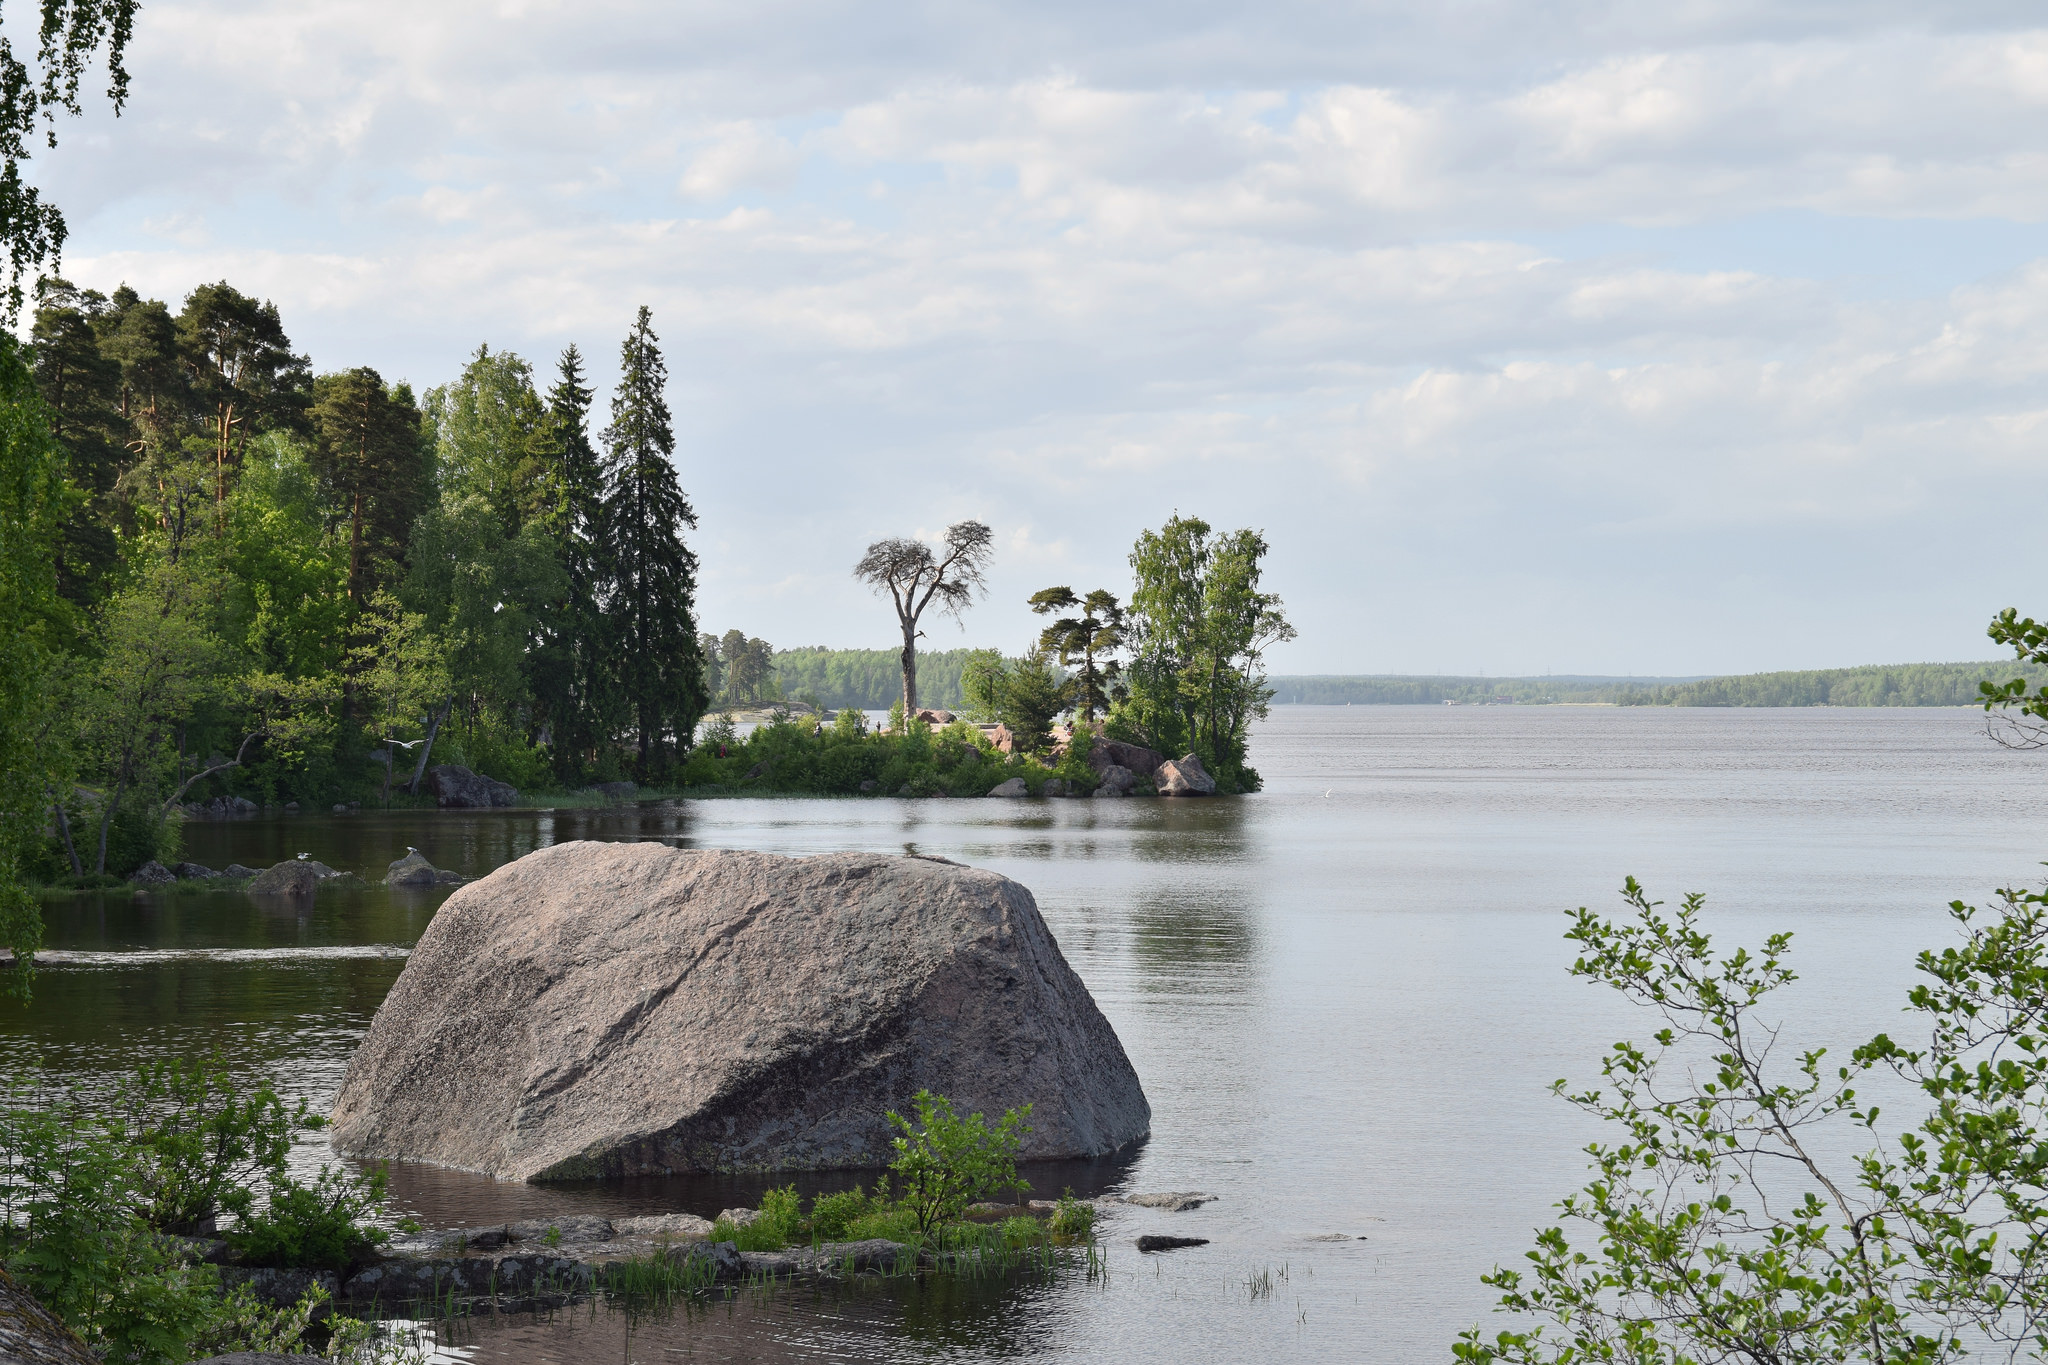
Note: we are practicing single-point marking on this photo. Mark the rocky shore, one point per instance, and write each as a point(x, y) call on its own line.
point(548, 1263)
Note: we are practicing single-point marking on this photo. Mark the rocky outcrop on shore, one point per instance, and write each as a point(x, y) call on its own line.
point(614, 1009)
point(1184, 776)
point(457, 788)
point(1140, 761)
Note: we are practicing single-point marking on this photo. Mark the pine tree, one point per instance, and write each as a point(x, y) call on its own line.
point(651, 611)
point(368, 456)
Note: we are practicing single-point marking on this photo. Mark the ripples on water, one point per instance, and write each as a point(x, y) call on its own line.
point(1346, 996)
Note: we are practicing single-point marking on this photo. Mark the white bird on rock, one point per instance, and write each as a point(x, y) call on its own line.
point(302, 857)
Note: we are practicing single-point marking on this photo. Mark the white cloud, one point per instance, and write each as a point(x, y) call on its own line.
point(1363, 275)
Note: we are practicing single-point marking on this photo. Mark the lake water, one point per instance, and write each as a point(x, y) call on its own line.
point(1346, 996)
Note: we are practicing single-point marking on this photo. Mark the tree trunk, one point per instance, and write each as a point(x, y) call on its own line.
point(106, 819)
point(909, 673)
point(64, 830)
point(427, 749)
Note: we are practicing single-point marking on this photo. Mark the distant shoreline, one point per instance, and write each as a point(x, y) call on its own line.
point(1873, 685)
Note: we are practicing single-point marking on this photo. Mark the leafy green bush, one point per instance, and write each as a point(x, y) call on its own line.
point(944, 1162)
point(833, 1214)
point(201, 1140)
point(314, 1227)
point(69, 1234)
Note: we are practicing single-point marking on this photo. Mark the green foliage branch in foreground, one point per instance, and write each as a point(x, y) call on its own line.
point(1726, 1225)
point(92, 1193)
point(2021, 716)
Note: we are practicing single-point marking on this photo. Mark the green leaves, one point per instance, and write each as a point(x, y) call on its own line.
point(1725, 1224)
point(1198, 630)
point(945, 1162)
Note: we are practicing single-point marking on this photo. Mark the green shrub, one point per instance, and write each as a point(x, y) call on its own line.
point(202, 1140)
point(68, 1232)
point(782, 1213)
point(833, 1214)
point(314, 1227)
point(1072, 1219)
point(944, 1162)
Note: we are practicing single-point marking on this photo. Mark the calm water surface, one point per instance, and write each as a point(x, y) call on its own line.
point(1346, 996)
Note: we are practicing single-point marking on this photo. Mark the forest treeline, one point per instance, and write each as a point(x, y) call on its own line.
point(290, 585)
point(1871, 685)
point(1411, 690)
point(869, 679)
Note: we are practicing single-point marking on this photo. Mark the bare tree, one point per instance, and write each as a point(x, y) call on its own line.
point(916, 575)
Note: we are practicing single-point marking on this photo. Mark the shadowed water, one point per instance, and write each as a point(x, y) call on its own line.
point(1346, 996)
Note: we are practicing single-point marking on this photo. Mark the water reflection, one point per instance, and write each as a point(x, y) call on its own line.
point(1345, 997)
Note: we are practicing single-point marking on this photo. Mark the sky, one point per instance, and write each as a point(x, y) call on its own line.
point(1693, 337)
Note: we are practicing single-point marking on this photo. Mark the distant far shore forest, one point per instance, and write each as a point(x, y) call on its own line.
point(1954, 684)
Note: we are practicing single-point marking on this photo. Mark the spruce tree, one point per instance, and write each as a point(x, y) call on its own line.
point(570, 667)
point(651, 610)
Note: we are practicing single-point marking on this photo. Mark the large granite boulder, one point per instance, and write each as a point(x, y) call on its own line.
point(1184, 776)
point(457, 788)
point(599, 1009)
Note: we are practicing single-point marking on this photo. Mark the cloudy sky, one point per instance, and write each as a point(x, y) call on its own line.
point(1685, 337)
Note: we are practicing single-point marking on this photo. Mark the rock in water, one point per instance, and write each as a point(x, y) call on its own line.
point(1014, 787)
point(457, 788)
point(600, 1009)
point(152, 873)
point(294, 877)
point(1184, 777)
point(411, 870)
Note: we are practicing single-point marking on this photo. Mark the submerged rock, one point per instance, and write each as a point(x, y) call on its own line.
point(599, 1009)
point(457, 788)
point(1154, 1241)
point(1173, 1201)
point(1184, 776)
point(680, 1227)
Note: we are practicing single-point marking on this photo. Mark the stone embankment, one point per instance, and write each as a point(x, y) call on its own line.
point(598, 1009)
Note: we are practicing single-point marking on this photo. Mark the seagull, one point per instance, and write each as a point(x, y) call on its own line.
point(410, 849)
point(302, 857)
